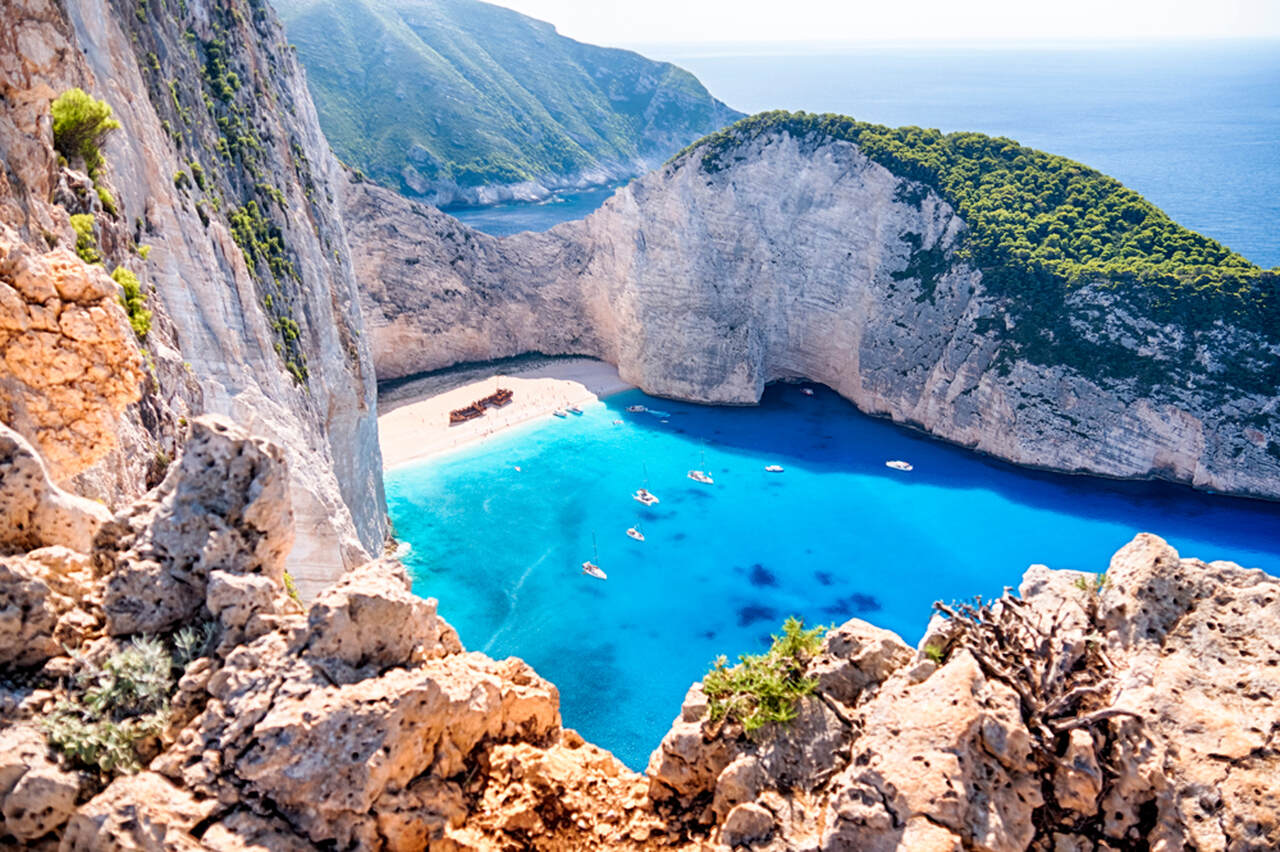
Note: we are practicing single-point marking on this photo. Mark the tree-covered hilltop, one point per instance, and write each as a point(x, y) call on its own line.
point(1042, 226)
point(419, 94)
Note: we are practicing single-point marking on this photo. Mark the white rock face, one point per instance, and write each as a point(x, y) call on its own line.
point(802, 258)
point(327, 425)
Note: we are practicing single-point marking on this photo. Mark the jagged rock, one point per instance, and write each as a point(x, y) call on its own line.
point(370, 620)
point(27, 617)
point(223, 507)
point(34, 512)
point(36, 796)
point(1077, 783)
point(951, 749)
point(1198, 656)
point(687, 763)
point(858, 656)
point(71, 361)
point(745, 824)
point(141, 812)
point(243, 831)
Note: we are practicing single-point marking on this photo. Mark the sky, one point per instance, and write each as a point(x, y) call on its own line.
point(632, 22)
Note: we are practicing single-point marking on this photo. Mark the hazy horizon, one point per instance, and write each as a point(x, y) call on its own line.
point(626, 24)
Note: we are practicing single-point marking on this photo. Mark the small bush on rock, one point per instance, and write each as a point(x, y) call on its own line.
point(133, 300)
point(86, 240)
point(81, 123)
point(113, 708)
point(765, 688)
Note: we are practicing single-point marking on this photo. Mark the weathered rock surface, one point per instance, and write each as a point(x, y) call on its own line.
point(802, 258)
point(70, 357)
point(223, 509)
point(36, 795)
point(34, 512)
point(275, 342)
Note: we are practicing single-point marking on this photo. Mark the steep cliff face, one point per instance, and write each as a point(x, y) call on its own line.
point(799, 256)
point(219, 166)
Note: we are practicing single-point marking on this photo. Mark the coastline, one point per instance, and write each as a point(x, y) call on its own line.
point(413, 415)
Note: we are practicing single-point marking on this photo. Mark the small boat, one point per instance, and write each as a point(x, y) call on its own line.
point(635, 533)
point(807, 391)
point(637, 409)
point(591, 569)
point(701, 476)
point(664, 420)
point(573, 409)
point(617, 423)
point(644, 496)
point(898, 465)
point(773, 468)
point(559, 413)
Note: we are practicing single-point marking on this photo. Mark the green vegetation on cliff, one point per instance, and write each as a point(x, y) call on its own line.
point(414, 92)
point(1040, 227)
point(765, 688)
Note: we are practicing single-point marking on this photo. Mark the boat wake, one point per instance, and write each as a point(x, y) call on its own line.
point(513, 597)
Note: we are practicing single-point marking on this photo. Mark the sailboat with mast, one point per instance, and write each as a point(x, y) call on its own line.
point(644, 495)
point(701, 475)
point(592, 569)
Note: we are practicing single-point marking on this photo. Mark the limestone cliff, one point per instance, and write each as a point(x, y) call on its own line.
point(800, 256)
point(219, 198)
point(159, 689)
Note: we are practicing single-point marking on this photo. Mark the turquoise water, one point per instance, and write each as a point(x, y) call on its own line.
point(1195, 127)
point(836, 535)
point(505, 219)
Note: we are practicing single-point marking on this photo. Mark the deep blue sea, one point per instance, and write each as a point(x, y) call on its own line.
point(836, 535)
point(1195, 127)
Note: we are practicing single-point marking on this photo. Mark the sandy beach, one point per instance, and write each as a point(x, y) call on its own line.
point(413, 419)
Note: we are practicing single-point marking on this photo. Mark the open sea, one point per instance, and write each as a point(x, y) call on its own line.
point(836, 535)
point(1193, 126)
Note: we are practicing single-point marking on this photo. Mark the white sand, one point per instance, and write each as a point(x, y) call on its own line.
point(413, 422)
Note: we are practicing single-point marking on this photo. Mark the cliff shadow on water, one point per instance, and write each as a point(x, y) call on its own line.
point(820, 441)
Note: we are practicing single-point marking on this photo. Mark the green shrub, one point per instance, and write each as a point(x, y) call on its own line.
point(80, 125)
point(134, 301)
point(180, 179)
point(291, 587)
point(144, 251)
point(114, 707)
point(108, 200)
point(765, 688)
point(86, 240)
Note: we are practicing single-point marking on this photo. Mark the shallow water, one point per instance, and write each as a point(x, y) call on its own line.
point(836, 535)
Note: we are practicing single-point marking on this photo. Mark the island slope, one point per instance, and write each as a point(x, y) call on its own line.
point(456, 101)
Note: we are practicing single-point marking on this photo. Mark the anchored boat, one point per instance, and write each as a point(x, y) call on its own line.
point(773, 468)
point(897, 464)
point(591, 569)
point(635, 533)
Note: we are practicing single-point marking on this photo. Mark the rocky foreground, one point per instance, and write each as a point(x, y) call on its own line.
point(1135, 710)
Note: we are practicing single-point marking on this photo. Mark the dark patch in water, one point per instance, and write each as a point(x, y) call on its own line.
point(708, 634)
point(854, 604)
point(823, 577)
point(678, 537)
point(751, 613)
point(765, 639)
point(762, 576)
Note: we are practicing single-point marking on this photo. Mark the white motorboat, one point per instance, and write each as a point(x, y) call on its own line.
point(807, 391)
point(559, 413)
point(773, 468)
point(635, 533)
point(637, 409)
point(573, 409)
point(898, 465)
